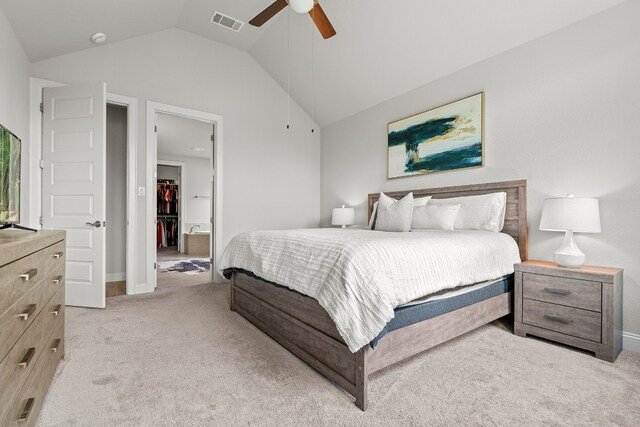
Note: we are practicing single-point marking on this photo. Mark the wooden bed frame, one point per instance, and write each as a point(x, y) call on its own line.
point(303, 327)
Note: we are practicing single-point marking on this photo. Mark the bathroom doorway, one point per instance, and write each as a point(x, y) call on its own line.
point(184, 188)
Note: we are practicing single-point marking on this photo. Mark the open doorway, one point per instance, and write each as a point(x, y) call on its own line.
point(116, 194)
point(184, 173)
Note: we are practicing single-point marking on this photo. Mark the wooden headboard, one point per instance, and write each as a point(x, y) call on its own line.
point(515, 220)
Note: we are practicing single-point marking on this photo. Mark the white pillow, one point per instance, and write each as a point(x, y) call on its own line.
point(434, 217)
point(394, 215)
point(483, 212)
point(420, 201)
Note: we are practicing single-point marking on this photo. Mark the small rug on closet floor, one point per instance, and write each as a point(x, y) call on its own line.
point(192, 266)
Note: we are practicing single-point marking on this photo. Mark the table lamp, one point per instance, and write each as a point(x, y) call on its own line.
point(571, 215)
point(343, 216)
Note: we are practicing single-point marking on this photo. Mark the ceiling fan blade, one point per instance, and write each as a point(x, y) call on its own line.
point(322, 22)
point(271, 11)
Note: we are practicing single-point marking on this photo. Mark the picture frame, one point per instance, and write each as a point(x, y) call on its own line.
point(444, 138)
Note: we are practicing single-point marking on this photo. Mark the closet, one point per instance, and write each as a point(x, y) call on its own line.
point(168, 199)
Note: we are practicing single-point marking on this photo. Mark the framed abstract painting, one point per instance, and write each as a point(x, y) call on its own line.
point(445, 138)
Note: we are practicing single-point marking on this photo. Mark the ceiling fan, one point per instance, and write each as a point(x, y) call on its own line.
point(300, 6)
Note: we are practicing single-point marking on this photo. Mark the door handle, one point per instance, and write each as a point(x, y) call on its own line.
point(96, 224)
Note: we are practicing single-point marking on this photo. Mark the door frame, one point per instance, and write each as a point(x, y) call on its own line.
point(183, 205)
point(35, 173)
point(153, 108)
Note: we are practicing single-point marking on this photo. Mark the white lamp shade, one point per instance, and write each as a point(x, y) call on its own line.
point(578, 214)
point(343, 216)
point(301, 6)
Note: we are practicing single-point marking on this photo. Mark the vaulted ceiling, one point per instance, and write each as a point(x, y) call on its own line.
point(382, 48)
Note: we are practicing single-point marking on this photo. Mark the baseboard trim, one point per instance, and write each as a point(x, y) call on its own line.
point(116, 277)
point(631, 342)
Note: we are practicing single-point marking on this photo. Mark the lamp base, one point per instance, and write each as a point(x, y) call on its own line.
point(569, 254)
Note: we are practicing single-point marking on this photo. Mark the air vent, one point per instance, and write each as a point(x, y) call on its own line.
point(227, 21)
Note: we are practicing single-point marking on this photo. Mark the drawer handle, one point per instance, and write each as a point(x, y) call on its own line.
point(26, 411)
point(557, 291)
point(58, 255)
point(56, 310)
point(557, 319)
point(28, 312)
point(56, 346)
point(56, 280)
point(24, 363)
point(29, 274)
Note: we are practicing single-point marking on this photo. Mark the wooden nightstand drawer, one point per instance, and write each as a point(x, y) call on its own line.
point(568, 320)
point(563, 290)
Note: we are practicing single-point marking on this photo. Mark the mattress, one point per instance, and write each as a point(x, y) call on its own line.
point(360, 276)
point(436, 305)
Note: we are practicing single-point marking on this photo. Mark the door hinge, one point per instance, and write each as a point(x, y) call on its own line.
point(156, 128)
point(41, 164)
point(41, 107)
point(154, 265)
point(40, 220)
point(213, 138)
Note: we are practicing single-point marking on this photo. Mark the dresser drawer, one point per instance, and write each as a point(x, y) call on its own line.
point(17, 319)
point(54, 256)
point(25, 409)
point(20, 277)
point(568, 320)
point(18, 364)
point(561, 290)
point(53, 314)
point(53, 281)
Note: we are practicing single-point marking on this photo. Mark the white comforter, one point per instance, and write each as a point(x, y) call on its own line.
point(360, 276)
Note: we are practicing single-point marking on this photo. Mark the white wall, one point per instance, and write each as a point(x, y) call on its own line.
point(168, 172)
point(116, 209)
point(14, 101)
point(561, 111)
point(264, 164)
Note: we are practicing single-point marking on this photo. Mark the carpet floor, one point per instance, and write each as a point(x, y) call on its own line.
point(179, 357)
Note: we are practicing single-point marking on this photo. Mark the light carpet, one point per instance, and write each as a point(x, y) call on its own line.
point(180, 357)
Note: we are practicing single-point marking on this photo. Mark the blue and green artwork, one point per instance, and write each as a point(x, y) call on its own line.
point(444, 138)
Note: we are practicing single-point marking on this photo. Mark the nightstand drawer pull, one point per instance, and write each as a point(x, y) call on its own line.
point(56, 345)
point(58, 255)
point(26, 411)
point(557, 319)
point(28, 312)
point(558, 291)
point(56, 280)
point(24, 363)
point(29, 274)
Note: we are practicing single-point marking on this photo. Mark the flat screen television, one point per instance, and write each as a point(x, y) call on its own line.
point(9, 177)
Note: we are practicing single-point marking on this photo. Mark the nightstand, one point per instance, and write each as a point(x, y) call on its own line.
point(579, 307)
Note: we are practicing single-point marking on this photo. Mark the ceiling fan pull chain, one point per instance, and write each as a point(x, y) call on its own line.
point(313, 92)
point(288, 68)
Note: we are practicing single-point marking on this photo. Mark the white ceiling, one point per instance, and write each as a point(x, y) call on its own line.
point(382, 48)
point(178, 135)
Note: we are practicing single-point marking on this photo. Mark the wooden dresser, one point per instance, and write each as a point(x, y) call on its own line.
point(32, 268)
point(581, 307)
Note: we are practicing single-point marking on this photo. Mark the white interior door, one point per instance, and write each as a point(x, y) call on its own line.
point(73, 184)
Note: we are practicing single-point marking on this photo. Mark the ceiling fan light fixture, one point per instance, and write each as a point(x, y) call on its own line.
point(301, 6)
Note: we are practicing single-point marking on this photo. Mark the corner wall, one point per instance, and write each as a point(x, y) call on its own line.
point(561, 112)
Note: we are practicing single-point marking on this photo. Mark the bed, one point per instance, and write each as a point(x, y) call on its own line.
point(300, 324)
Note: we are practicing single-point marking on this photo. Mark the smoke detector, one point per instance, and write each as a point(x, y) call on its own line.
point(98, 38)
point(227, 21)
